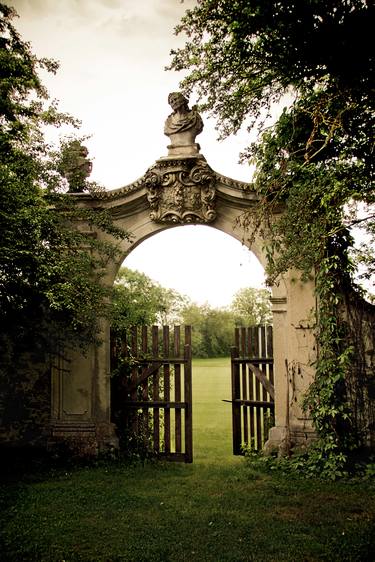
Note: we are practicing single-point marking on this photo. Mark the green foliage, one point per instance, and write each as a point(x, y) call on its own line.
point(252, 307)
point(212, 330)
point(313, 166)
point(137, 300)
point(245, 55)
point(51, 294)
point(242, 56)
point(318, 461)
point(49, 272)
point(74, 164)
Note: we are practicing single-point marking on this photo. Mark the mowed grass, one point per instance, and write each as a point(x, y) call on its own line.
point(212, 418)
point(216, 509)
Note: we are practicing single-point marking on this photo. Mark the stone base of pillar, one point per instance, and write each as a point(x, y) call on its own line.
point(82, 439)
point(299, 439)
point(106, 437)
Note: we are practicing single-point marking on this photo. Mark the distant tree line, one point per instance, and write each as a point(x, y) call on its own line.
point(138, 300)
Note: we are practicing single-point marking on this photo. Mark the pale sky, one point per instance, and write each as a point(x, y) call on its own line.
point(112, 56)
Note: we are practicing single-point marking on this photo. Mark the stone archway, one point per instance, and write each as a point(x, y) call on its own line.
point(181, 188)
point(81, 400)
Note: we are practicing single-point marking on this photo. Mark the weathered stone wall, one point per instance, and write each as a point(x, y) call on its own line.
point(25, 401)
point(360, 382)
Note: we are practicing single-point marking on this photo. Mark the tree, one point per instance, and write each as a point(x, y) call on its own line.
point(138, 300)
point(213, 329)
point(49, 271)
point(252, 307)
point(244, 56)
point(315, 163)
point(51, 296)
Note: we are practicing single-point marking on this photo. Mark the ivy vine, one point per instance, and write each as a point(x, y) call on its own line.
point(312, 169)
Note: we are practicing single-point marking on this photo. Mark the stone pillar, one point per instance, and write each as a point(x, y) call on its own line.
point(294, 355)
point(301, 356)
point(80, 401)
point(279, 309)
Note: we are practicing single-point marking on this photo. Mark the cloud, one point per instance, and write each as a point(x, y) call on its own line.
point(112, 55)
point(96, 12)
point(68, 8)
point(133, 28)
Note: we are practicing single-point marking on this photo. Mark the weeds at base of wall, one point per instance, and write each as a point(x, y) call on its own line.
point(313, 463)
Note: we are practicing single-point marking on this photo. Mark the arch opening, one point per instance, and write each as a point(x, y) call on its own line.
point(209, 266)
point(202, 262)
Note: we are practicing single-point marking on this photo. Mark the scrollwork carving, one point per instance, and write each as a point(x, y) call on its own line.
point(181, 191)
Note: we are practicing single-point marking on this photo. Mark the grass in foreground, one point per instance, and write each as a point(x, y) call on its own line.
point(217, 509)
point(173, 513)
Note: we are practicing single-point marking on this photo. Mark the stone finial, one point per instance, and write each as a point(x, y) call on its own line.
point(182, 126)
point(75, 166)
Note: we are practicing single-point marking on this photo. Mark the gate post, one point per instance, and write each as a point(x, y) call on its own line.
point(188, 397)
point(236, 406)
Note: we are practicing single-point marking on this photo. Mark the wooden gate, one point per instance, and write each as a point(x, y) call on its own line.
point(252, 387)
point(152, 396)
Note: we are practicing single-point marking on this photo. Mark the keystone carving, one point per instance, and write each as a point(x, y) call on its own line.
point(181, 191)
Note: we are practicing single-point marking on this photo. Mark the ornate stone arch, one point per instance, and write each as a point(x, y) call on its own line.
point(179, 189)
point(81, 401)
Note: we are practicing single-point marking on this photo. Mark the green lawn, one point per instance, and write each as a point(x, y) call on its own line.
point(212, 418)
point(216, 509)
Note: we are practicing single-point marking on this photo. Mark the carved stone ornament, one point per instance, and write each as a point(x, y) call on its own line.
point(75, 165)
point(182, 126)
point(181, 191)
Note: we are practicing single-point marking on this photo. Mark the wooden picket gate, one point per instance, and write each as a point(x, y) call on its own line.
point(252, 387)
point(152, 396)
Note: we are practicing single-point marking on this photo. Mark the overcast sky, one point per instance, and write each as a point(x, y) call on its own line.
point(112, 56)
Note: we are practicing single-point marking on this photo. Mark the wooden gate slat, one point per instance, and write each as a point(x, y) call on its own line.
point(252, 386)
point(258, 415)
point(270, 352)
point(144, 389)
point(134, 375)
point(245, 437)
point(236, 407)
point(177, 389)
point(134, 370)
point(267, 388)
point(251, 338)
point(155, 389)
point(188, 397)
point(167, 393)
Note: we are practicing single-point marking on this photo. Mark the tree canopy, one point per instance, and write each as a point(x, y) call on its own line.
point(315, 164)
point(138, 300)
point(244, 56)
point(50, 286)
point(252, 307)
